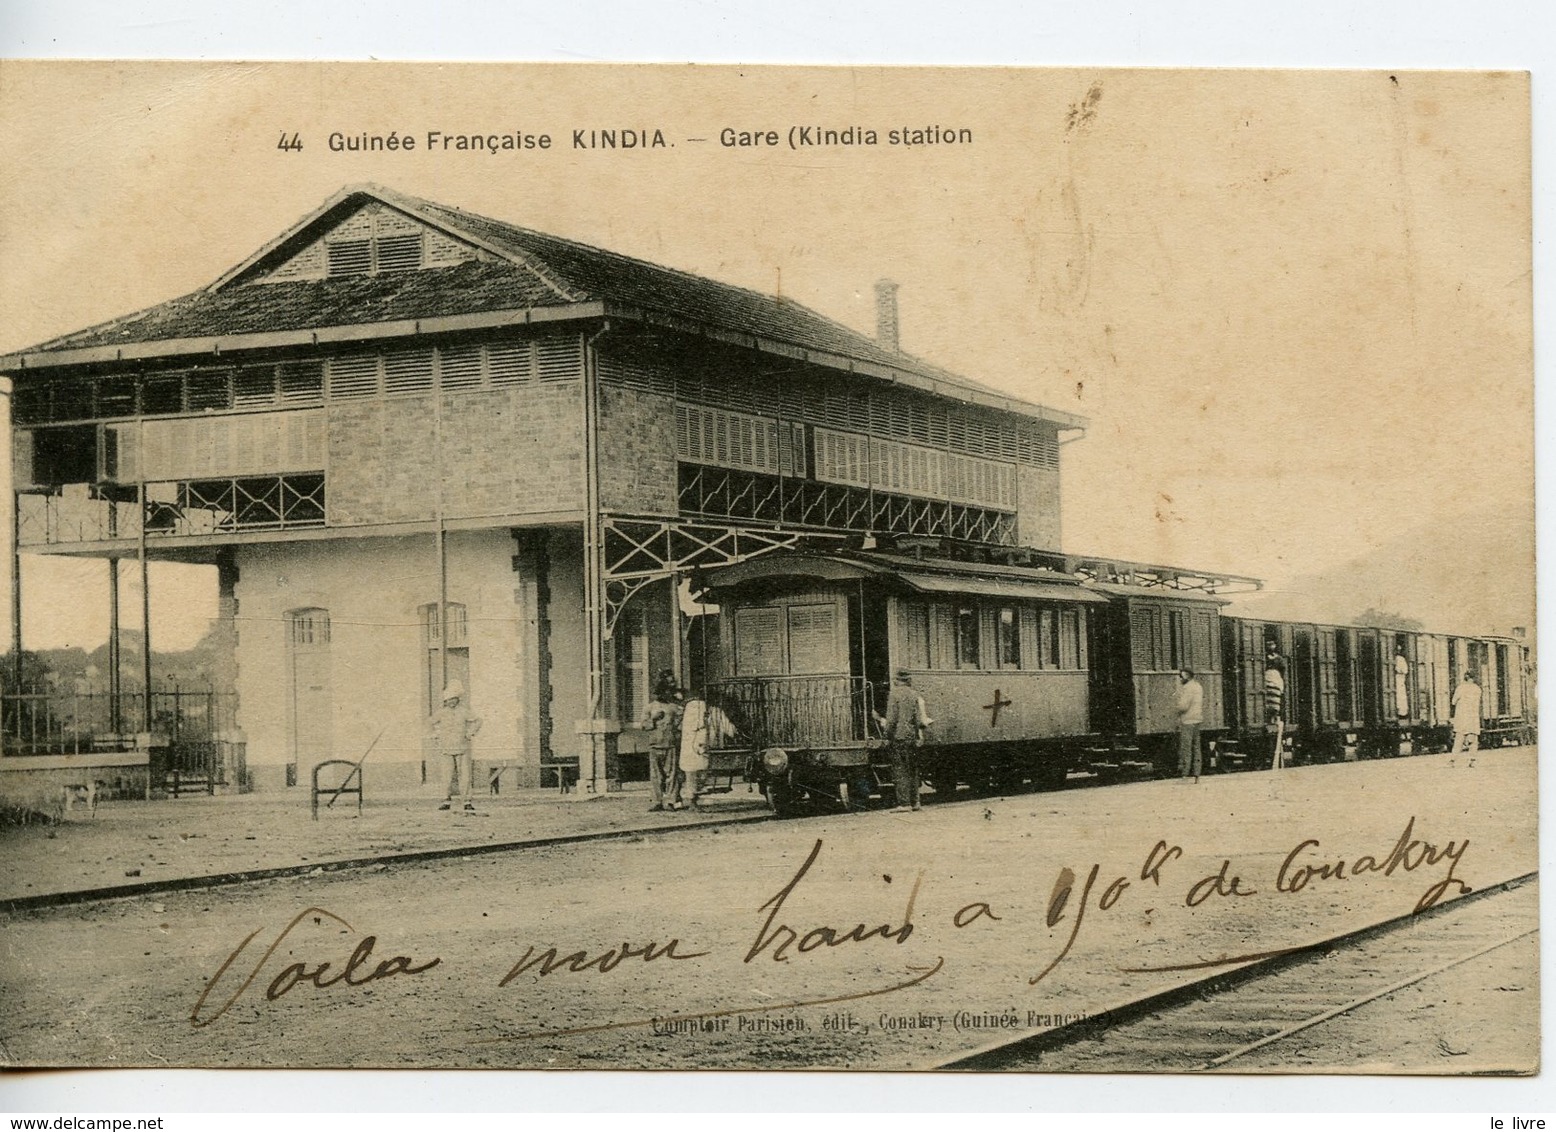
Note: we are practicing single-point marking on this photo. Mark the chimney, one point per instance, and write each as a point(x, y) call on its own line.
point(886, 314)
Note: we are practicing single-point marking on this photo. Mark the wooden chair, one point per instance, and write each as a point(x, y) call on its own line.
point(345, 787)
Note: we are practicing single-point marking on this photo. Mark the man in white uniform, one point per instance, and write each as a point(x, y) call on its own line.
point(1466, 714)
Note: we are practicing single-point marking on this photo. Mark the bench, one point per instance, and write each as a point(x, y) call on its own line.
point(561, 773)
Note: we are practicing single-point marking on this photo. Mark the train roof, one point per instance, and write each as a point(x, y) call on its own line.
point(1203, 597)
point(908, 574)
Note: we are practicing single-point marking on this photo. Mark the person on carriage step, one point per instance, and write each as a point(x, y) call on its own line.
point(903, 725)
point(1401, 682)
point(1191, 714)
point(1274, 683)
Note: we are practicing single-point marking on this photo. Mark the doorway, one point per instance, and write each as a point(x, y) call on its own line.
point(312, 691)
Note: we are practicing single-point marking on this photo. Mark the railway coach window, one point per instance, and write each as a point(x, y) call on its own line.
point(915, 634)
point(1009, 638)
point(1177, 639)
point(1070, 638)
point(967, 654)
point(1048, 638)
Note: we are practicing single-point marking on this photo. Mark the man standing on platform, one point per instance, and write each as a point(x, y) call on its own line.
point(452, 729)
point(904, 725)
point(1191, 714)
point(662, 721)
point(1466, 714)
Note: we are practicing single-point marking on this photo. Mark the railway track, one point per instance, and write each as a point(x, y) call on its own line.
point(1211, 1024)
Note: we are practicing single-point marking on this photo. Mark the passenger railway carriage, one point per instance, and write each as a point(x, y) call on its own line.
point(1031, 672)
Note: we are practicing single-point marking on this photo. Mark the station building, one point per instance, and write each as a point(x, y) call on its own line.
point(421, 445)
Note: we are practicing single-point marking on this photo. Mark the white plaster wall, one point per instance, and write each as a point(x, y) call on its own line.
point(373, 589)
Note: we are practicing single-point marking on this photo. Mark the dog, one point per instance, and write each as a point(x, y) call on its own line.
point(82, 792)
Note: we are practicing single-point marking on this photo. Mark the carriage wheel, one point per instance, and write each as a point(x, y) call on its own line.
point(785, 799)
point(944, 786)
point(1051, 775)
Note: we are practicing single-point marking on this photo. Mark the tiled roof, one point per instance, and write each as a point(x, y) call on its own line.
point(308, 304)
point(527, 270)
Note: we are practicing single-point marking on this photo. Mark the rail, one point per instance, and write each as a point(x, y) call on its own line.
point(797, 711)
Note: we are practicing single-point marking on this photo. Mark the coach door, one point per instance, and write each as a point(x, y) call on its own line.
point(1328, 678)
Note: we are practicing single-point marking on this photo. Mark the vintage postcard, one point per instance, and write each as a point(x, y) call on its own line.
point(629, 567)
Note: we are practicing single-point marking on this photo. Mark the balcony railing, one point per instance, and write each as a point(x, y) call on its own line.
point(92, 513)
point(797, 711)
point(795, 502)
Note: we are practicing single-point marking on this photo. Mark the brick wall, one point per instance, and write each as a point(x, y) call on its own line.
point(513, 451)
point(637, 451)
point(381, 461)
point(505, 452)
point(1037, 518)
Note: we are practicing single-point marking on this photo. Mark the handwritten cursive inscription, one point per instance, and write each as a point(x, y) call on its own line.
point(354, 973)
point(605, 962)
point(781, 937)
point(1408, 854)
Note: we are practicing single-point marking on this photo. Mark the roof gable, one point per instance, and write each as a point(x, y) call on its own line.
point(371, 239)
point(491, 271)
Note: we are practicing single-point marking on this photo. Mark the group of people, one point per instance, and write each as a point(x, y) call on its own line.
point(1191, 707)
point(680, 733)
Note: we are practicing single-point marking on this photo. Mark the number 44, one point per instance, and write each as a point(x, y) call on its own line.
point(294, 143)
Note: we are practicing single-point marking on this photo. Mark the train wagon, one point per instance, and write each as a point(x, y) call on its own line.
point(1356, 691)
point(1000, 655)
point(1143, 639)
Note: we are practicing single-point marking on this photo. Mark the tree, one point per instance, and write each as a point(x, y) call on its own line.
point(1382, 619)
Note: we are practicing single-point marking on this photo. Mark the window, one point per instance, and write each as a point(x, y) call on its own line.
point(1070, 640)
point(632, 665)
point(65, 455)
point(1048, 638)
point(162, 393)
point(813, 639)
point(208, 390)
point(730, 440)
point(116, 396)
point(302, 381)
point(349, 257)
point(758, 641)
point(915, 634)
point(1177, 639)
point(967, 655)
point(1008, 630)
point(455, 622)
point(310, 628)
point(444, 662)
point(399, 253)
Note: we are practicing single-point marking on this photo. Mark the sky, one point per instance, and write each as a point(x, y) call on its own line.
point(1296, 306)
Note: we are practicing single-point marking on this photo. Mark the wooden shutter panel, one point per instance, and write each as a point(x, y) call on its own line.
point(1142, 635)
point(813, 639)
point(758, 642)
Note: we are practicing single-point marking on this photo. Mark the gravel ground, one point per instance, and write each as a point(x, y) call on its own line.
point(132, 843)
point(115, 982)
point(1481, 1017)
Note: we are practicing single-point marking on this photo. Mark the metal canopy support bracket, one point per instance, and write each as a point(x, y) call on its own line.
point(638, 552)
